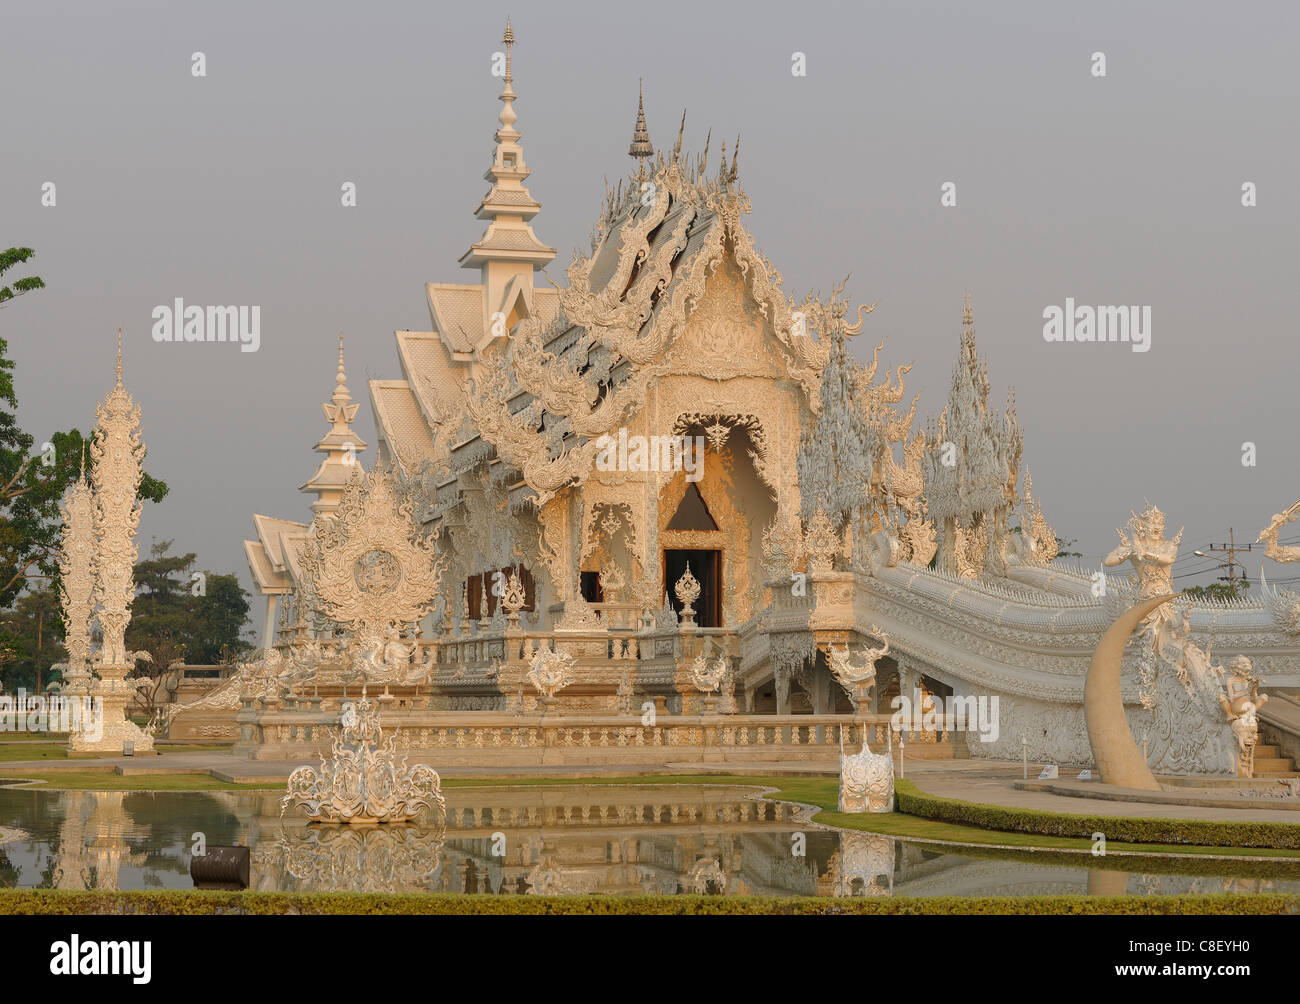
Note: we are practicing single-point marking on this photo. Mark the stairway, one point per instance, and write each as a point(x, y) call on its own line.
point(1269, 762)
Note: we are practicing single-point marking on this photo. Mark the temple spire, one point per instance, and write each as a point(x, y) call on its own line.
point(508, 247)
point(641, 147)
point(119, 356)
point(340, 445)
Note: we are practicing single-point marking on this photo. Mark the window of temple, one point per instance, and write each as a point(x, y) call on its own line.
point(591, 589)
point(475, 584)
point(692, 513)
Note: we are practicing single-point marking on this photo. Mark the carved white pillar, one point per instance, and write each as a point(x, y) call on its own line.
point(782, 683)
point(268, 631)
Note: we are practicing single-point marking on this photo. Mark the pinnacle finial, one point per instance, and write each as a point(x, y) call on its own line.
point(341, 393)
point(83, 461)
point(119, 356)
point(641, 146)
point(508, 39)
point(967, 310)
point(681, 131)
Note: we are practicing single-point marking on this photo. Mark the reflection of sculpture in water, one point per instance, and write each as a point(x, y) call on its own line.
point(351, 859)
point(863, 865)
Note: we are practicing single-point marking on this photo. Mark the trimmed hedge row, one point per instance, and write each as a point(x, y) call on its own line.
point(1124, 829)
point(185, 902)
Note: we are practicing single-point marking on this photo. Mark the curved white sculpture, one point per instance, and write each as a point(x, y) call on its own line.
point(362, 783)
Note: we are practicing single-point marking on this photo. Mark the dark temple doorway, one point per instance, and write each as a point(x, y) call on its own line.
point(706, 566)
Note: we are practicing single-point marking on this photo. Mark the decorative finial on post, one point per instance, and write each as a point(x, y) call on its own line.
point(119, 356)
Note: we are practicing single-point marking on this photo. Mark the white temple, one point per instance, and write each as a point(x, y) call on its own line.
point(539, 442)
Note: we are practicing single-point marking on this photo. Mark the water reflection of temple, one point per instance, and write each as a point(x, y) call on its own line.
point(612, 840)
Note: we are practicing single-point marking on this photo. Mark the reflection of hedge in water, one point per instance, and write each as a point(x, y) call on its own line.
point(174, 902)
point(1120, 829)
point(1151, 864)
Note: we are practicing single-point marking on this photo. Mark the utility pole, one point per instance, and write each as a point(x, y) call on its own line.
point(1231, 550)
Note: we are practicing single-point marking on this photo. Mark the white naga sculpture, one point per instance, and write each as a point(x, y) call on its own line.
point(866, 779)
point(549, 671)
point(362, 783)
point(709, 677)
point(857, 680)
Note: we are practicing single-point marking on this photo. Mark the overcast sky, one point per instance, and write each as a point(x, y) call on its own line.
point(1117, 190)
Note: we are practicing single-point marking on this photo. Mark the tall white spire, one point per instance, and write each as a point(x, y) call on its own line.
point(508, 247)
point(340, 445)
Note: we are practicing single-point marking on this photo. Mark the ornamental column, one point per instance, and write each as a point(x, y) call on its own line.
point(117, 456)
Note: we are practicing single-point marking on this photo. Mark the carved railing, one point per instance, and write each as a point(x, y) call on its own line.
point(468, 738)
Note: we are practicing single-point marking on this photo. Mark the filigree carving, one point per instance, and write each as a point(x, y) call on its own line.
point(362, 782)
point(373, 570)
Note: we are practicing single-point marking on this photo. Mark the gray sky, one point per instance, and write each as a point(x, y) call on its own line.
point(225, 190)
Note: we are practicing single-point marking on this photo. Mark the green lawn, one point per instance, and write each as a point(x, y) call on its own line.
point(103, 779)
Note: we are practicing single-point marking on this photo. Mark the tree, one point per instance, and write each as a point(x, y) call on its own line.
point(35, 627)
point(10, 258)
point(181, 615)
point(32, 484)
point(1219, 590)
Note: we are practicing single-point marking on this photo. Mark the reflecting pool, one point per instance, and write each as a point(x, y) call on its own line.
point(602, 839)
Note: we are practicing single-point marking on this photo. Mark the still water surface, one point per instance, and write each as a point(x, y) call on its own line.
point(658, 839)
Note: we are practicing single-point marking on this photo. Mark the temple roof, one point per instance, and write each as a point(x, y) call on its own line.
point(404, 433)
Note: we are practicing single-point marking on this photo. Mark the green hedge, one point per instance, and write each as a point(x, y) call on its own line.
point(183, 902)
point(1124, 829)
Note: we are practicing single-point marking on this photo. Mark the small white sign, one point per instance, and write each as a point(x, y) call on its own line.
point(1085, 775)
point(1049, 772)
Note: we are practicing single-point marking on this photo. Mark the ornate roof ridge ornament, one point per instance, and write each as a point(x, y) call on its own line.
point(372, 570)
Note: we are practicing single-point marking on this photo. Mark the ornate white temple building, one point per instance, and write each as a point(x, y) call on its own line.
point(668, 465)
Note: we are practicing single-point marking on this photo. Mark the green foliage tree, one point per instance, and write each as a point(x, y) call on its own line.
point(180, 614)
point(36, 628)
point(10, 258)
point(1219, 590)
point(33, 483)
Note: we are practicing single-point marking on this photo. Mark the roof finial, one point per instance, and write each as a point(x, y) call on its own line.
point(677, 150)
point(508, 39)
point(83, 461)
point(641, 147)
point(119, 355)
point(967, 311)
point(341, 393)
point(735, 154)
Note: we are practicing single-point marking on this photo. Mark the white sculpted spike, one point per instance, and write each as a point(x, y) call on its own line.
point(117, 457)
point(77, 582)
